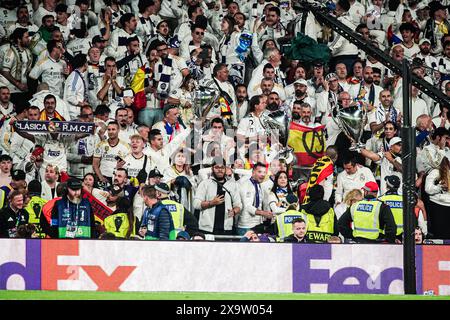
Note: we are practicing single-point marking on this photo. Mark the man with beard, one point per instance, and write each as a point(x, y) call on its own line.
point(301, 93)
point(72, 216)
point(16, 65)
point(255, 87)
point(217, 201)
point(383, 113)
point(425, 56)
point(126, 131)
point(367, 94)
point(242, 101)
point(327, 100)
point(306, 116)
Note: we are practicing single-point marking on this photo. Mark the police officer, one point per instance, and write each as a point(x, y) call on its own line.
point(157, 223)
point(395, 202)
point(35, 205)
point(182, 218)
point(284, 221)
point(320, 217)
point(369, 216)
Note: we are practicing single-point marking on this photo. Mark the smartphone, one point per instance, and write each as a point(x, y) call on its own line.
point(284, 4)
point(118, 158)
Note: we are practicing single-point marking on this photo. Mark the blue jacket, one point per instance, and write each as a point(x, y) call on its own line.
point(159, 223)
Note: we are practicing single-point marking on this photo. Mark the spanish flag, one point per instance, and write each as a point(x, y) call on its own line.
point(138, 86)
point(321, 170)
point(308, 143)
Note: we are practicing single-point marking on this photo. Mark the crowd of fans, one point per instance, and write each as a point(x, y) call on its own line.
point(159, 166)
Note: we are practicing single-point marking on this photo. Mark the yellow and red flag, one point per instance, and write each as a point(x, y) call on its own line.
point(138, 86)
point(308, 143)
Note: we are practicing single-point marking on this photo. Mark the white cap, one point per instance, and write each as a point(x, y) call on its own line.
point(128, 93)
point(301, 81)
point(394, 140)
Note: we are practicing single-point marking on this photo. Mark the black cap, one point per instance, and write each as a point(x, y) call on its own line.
point(155, 173)
point(17, 175)
point(35, 188)
point(61, 8)
point(392, 182)
point(116, 190)
point(98, 38)
point(74, 184)
point(162, 187)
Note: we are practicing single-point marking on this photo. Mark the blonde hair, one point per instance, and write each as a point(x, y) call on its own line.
point(352, 196)
point(54, 167)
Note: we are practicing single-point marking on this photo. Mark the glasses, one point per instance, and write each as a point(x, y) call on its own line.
point(217, 127)
point(346, 99)
point(219, 168)
point(199, 33)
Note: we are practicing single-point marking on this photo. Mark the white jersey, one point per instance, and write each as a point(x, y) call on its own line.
point(18, 63)
point(55, 151)
point(79, 45)
point(52, 73)
point(125, 134)
point(107, 155)
point(7, 17)
point(134, 165)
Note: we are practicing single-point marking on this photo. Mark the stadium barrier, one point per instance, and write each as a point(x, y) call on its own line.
point(203, 266)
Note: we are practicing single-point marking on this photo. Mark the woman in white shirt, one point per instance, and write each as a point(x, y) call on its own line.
point(281, 189)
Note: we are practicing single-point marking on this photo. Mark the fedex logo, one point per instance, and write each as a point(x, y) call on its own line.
point(42, 271)
point(436, 269)
point(349, 279)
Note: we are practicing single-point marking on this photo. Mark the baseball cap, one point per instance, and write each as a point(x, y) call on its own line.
point(35, 187)
point(392, 182)
point(394, 140)
point(184, 235)
point(330, 76)
point(18, 174)
point(116, 190)
point(301, 81)
point(370, 186)
point(74, 184)
point(128, 93)
point(162, 187)
point(317, 64)
point(98, 38)
point(423, 40)
point(155, 173)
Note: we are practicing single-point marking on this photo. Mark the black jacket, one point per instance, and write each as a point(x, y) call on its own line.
point(318, 209)
point(387, 223)
point(10, 220)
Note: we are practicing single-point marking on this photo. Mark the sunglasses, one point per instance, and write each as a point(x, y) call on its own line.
point(199, 33)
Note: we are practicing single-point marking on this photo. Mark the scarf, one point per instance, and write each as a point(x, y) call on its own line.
point(171, 129)
point(257, 199)
point(165, 72)
point(362, 93)
point(45, 117)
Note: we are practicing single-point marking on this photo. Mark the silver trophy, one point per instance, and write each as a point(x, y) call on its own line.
point(277, 122)
point(351, 121)
point(204, 99)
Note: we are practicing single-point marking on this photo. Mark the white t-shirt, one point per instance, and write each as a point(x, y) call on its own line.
point(134, 165)
point(107, 155)
point(52, 73)
point(55, 151)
